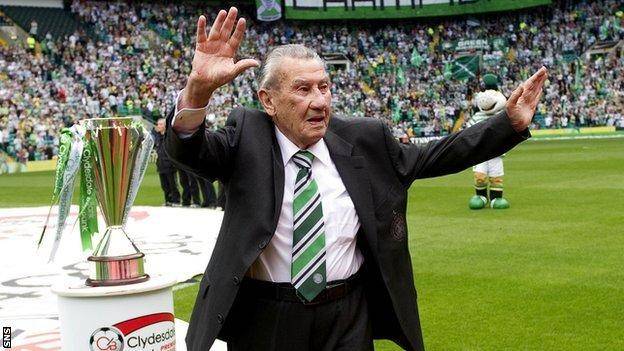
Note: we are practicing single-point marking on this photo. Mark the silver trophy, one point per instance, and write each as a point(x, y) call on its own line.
point(121, 148)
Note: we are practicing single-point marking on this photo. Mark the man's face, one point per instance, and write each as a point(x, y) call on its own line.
point(160, 126)
point(301, 104)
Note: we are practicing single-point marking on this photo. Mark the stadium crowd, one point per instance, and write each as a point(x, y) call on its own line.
point(136, 56)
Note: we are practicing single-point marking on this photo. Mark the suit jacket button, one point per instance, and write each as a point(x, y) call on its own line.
point(263, 244)
point(236, 280)
point(220, 318)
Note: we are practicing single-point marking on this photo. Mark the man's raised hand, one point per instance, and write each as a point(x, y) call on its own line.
point(213, 62)
point(523, 101)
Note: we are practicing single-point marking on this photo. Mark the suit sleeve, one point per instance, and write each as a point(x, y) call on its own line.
point(208, 154)
point(454, 152)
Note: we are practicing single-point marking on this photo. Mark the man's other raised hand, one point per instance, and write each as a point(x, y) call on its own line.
point(523, 101)
point(213, 62)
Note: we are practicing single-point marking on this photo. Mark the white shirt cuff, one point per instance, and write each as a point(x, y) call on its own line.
point(189, 119)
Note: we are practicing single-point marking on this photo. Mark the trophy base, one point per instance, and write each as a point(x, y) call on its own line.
point(117, 270)
point(95, 282)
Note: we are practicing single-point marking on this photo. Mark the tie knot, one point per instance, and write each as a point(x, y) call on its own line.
point(303, 159)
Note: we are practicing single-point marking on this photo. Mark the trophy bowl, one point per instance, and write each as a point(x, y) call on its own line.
point(118, 148)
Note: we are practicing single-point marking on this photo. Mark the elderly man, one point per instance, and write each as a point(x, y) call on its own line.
point(312, 252)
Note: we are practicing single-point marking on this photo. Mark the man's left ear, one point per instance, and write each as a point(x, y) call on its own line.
point(267, 102)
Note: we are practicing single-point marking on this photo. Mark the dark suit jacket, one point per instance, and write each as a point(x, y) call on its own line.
point(376, 171)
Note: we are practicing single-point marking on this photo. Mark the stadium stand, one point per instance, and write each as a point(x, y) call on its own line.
point(3, 20)
point(402, 72)
point(57, 22)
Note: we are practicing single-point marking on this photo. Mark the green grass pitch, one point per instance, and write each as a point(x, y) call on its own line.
point(547, 274)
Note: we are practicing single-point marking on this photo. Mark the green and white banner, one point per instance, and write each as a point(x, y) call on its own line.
point(494, 44)
point(465, 67)
point(269, 10)
point(371, 9)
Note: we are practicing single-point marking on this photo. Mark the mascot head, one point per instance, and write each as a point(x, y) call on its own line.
point(490, 101)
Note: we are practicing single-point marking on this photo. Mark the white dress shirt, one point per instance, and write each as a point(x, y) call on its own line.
point(343, 257)
point(187, 120)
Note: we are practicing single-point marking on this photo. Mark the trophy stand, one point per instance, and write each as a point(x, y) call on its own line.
point(127, 317)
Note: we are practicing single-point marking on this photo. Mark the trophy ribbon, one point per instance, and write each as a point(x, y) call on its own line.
point(61, 164)
point(65, 195)
point(88, 203)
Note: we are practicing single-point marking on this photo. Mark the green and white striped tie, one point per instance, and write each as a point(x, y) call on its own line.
point(308, 273)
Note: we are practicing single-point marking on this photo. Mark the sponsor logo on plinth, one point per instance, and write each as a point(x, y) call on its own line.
point(153, 332)
point(106, 339)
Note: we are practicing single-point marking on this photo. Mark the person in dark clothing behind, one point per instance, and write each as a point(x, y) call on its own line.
point(221, 195)
point(166, 170)
point(209, 195)
point(190, 189)
point(209, 199)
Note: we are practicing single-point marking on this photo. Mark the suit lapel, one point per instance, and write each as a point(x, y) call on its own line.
point(352, 170)
point(278, 180)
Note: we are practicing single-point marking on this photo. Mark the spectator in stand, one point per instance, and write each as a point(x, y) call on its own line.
point(34, 28)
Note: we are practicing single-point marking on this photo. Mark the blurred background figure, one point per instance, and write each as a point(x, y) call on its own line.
point(190, 189)
point(166, 171)
point(209, 194)
point(209, 198)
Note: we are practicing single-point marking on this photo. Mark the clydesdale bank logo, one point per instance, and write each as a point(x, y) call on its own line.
point(153, 332)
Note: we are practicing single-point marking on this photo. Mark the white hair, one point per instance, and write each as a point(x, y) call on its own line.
point(269, 70)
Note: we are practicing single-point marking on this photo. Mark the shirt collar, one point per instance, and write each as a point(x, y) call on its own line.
point(288, 149)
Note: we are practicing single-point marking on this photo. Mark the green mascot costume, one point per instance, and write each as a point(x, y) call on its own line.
point(489, 173)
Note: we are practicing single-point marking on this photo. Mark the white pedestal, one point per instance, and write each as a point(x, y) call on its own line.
point(129, 317)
